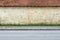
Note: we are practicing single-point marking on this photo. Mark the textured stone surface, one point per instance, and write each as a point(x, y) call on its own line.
point(29, 15)
point(29, 2)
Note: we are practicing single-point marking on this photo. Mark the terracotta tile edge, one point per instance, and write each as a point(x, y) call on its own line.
point(31, 3)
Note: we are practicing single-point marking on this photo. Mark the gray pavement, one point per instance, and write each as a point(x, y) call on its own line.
point(30, 35)
point(29, 27)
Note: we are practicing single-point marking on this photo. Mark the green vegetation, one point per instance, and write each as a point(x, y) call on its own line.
point(41, 24)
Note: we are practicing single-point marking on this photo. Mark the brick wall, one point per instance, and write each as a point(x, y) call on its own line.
point(29, 11)
point(29, 15)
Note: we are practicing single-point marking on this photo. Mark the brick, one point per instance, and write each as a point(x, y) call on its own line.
point(29, 2)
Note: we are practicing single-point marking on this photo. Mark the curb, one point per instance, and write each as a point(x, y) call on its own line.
point(29, 28)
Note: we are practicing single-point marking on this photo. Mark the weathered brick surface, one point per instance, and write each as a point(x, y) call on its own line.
point(29, 2)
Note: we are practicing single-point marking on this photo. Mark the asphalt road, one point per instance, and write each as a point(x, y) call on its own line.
point(30, 35)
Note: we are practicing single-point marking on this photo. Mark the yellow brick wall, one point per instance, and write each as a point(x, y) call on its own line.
point(29, 15)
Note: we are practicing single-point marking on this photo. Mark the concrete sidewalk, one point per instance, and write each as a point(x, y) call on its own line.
point(29, 27)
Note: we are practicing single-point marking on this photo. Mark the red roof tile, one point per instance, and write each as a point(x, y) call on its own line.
point(29, 2)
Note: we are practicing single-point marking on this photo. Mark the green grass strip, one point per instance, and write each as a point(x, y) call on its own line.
point(41, 24)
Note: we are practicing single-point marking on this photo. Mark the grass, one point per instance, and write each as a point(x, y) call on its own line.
point(41, 24)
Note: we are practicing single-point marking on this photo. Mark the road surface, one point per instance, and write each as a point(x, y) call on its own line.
point(30, 35)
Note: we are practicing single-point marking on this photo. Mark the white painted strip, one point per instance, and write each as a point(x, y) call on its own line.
point(29, 15)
